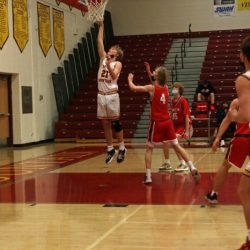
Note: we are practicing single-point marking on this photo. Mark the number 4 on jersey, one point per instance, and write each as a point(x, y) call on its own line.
point(163, 99)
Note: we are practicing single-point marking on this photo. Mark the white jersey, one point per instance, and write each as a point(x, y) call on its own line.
point(247, 74)
point(105, 82)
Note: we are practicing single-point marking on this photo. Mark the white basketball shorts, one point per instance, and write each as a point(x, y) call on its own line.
point(108, 106)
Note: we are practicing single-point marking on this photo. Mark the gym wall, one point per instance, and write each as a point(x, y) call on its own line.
point(132, 17)
point(32, 68)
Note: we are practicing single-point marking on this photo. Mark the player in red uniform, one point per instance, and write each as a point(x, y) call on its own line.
point(242, 85)
point(180, 114)
point(161, 129)
point(235, 154)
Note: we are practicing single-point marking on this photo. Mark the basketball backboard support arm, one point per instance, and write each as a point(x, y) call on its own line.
point(78, 4)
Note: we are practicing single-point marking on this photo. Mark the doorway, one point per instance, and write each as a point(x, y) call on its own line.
point(5, 111)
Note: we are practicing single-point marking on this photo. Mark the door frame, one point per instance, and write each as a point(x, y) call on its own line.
point(9, 82)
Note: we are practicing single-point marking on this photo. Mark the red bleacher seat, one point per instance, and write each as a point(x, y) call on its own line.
point(212, 63)
point(225, 97)
point(223, 75)
point(230, 46)
point(223, 51)
point(217, 69)
point(225, 89)
point(224, 82)
point(222, 57)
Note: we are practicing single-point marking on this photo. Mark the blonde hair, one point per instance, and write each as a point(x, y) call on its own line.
point(162, 75)
point(179, 86)
point(119, 51)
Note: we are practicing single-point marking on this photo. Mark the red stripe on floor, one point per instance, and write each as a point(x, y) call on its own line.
point(28, 168)
point(117, 188)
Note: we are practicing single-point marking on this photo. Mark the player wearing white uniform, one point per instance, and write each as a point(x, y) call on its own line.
point(108, 97)
point(108, 101)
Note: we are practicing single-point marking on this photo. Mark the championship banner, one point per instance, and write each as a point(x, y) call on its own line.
point(4, 24)
point(224, 7)
point(20, 23)
point(243, 4)
point(58, 31)
point(44, 27)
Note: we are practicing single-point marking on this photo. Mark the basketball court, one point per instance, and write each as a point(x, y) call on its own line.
point(63, 196)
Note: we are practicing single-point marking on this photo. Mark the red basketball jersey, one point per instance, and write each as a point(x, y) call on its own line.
point(159, 104)
point(242, 128)
point(179, 109)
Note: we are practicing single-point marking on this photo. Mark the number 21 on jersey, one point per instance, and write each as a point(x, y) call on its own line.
point(105, 73)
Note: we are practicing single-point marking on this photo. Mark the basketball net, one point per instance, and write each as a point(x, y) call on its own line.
point(96, 10)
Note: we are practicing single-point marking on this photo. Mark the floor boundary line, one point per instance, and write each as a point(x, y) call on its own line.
point(112, 229)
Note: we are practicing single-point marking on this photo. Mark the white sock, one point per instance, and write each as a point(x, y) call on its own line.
point(248, 234)
point(109, 148)
point(167, 161)
point(121, 146)
point(183, 162)
point(213, 192)
point(191, 165)
point(148, 172)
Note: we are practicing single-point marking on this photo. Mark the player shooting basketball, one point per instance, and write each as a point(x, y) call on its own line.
point(108, 101)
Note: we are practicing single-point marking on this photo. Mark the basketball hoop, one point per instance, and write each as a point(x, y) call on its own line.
point(96, 10)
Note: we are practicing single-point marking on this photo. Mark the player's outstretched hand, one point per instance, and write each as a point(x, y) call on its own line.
point(130, 77)
point(108, 59)
point(147, 65)
point(216, 144)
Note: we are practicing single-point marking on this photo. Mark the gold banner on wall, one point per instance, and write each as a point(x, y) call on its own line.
point(4, 24)
point(58, 31)
point(243, 4)
point(44, 27)
point(20, 23)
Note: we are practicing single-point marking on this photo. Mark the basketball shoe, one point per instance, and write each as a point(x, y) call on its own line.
point(246, 245)
point(212, 199)
point(165, 167)
point(147, 179)
point(181, 167)
point(121, 155)
point(110, 155)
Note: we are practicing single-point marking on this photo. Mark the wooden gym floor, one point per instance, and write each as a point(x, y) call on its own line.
point(63, 196)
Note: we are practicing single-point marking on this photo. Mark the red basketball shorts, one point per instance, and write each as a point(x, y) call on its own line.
point(238, 151)
point(161, 131)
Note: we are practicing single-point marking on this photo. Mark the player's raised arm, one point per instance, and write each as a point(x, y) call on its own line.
point(146, 88)
point(149, 72)
point(100, 45)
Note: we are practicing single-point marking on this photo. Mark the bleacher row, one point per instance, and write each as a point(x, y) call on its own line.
point(73, 124)
point(221, 67)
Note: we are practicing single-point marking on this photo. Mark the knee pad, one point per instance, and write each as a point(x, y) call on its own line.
point(116, 125)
